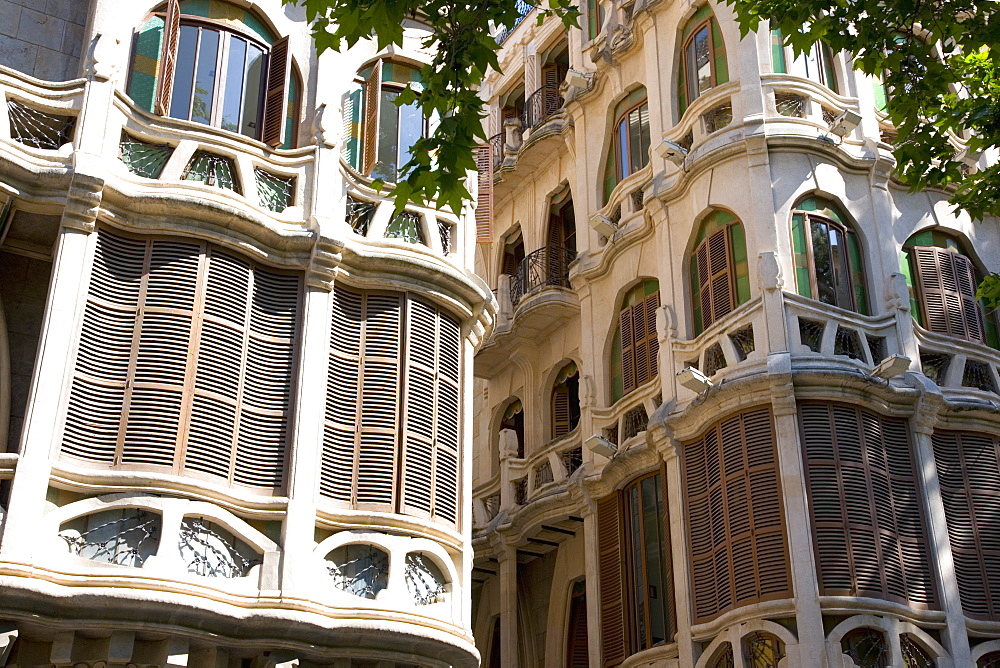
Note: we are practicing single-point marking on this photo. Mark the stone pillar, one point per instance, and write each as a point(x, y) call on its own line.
point(508, 607)
point(791, 470)
point(898, 301)
point(679, 556)
point(46, 399)
point(593, 577)
point(925, 418)
point(775, 329)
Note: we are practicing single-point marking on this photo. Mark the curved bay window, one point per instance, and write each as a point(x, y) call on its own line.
point(635, 348)
point(815, 64)
point(636, 606)
point(566, 401)
point(378, 133)
point(720, 278)
point(630, 150)
point(827, 254)
point(942, 279)
point(703, 57)
point(216, 64)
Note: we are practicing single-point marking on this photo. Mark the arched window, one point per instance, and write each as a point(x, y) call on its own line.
point(217, 64)
point(723, 657)
point(815, 64)
point(123, 536)
point(942, 280)
point(720, 279)
point(867, 647)
point(566, 401)
point(762, 650)
point(630, 140)
point(634, 569)
point(827, 253)
point(991, 660)
point(513, 419)
point(914, 655)
point(359, 569)
point(496, 660)
point(635, 348)
point(577, 654)
point(703, 57)
point(378, 134)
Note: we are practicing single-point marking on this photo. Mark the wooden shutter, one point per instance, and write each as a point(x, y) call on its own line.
point(484, 196)
point(626, 330)
point(276, 99)
point(735, 517)
point(640, 346)
point(369, 143)
point(168, 58)
point(550, 82)
point(560, 411)
point(576, 634)
point(868, 521)
point(609, 567)
point(715, 277)
point(343, 396)
point(947, 283)
point(968, 467)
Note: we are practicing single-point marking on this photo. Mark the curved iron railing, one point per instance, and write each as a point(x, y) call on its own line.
point(496, 141)
point(547, 266)
point(540, 105)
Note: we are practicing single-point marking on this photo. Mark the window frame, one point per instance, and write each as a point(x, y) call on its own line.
point(402, 155)
point(847, 233)
point(705, 23)
point(622, 122)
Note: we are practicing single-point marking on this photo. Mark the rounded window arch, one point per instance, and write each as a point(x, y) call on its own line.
point(762, 650)
point(566, 401)
point(513, 420)
point(703, 57)
point(723, 657)
point(425, 581)
point(867, 647)
point(361, 569)
point(121, 536)
point(635, 348)
point(379, 133)
point(829, 264)
point(629, 150)
point(991, 660)
point(942, 278)
point(815, 64)
point(720, 275)
point(217, 64)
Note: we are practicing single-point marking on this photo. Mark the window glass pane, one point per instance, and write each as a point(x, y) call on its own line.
point(838, 255)
point(643, 135)
point(232, 96)
point(388, 137)
point(254, 91)
point(180, 100)
point(690, 67)
point(652, 514)
point(411, 128)
point(635, 141)
point(703, 63)
point(623, 160)
point(822, 263)
point(205, 73)
point(635, 520)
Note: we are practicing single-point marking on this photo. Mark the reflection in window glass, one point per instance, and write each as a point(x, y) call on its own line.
point(699, 63)
point(398, 129)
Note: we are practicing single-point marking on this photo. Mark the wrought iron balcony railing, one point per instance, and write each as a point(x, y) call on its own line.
point(496, 142)
point(540, 105)
point(547, 266)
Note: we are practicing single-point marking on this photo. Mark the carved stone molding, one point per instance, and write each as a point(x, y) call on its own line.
point(83, 201)
point(326, 257)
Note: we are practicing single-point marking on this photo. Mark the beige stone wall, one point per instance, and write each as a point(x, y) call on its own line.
point(43, 40)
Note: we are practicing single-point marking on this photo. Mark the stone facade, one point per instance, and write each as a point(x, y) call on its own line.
point(233, 385)
point(678, 418)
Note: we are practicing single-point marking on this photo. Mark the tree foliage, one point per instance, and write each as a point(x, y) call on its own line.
point(460, 37)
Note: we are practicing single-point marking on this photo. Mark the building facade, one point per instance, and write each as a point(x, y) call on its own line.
point(234, 383)
point(739, 407)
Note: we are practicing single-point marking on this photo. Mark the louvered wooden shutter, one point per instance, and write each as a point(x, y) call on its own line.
point(640, 346)
point(369, 144)
point(509, 264)
point(968, 467)
point(168, 58)
point(626, 330)
point(275, 102)
point(715, 277)
point(576, 635)
point(343, 396)
point(735, 516)
point(560, 411)
point(484, 196)
point(550, 81)
point(609, 566)
point(947, 283)
point(868, 521)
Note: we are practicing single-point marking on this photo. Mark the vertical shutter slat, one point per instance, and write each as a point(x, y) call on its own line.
point(168, 58)
point(484, 194)
point(947, 284)
point(369, 144)
point(609, 565)
point(715, 276)
point(560, 411)
point(628, 350)
point(276, 99)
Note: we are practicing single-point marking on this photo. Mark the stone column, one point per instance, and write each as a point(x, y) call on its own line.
point(53, 371)
point(593, 578)
point(508, 606)
point(925, 418)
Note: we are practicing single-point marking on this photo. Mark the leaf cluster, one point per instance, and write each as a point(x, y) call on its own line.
point(464, 51)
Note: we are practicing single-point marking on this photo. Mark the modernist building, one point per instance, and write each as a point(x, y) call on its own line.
point(684, 452)
point(233, 384)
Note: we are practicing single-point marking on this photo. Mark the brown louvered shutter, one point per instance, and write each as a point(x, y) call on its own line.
point(577, 655)
point(560, 411)
point(378, 425)
point(550, 82)
point(735, 517)
point(168, 58)
point(275, 102)
point(626, 329)
point(715, 277)
point(609, 567)
point(651, 345)
point(343, 396)
point(430, 439)
point(868, 522)
point(947, 283)
point(968, 467)
point(369, 141)
point(484, 194)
